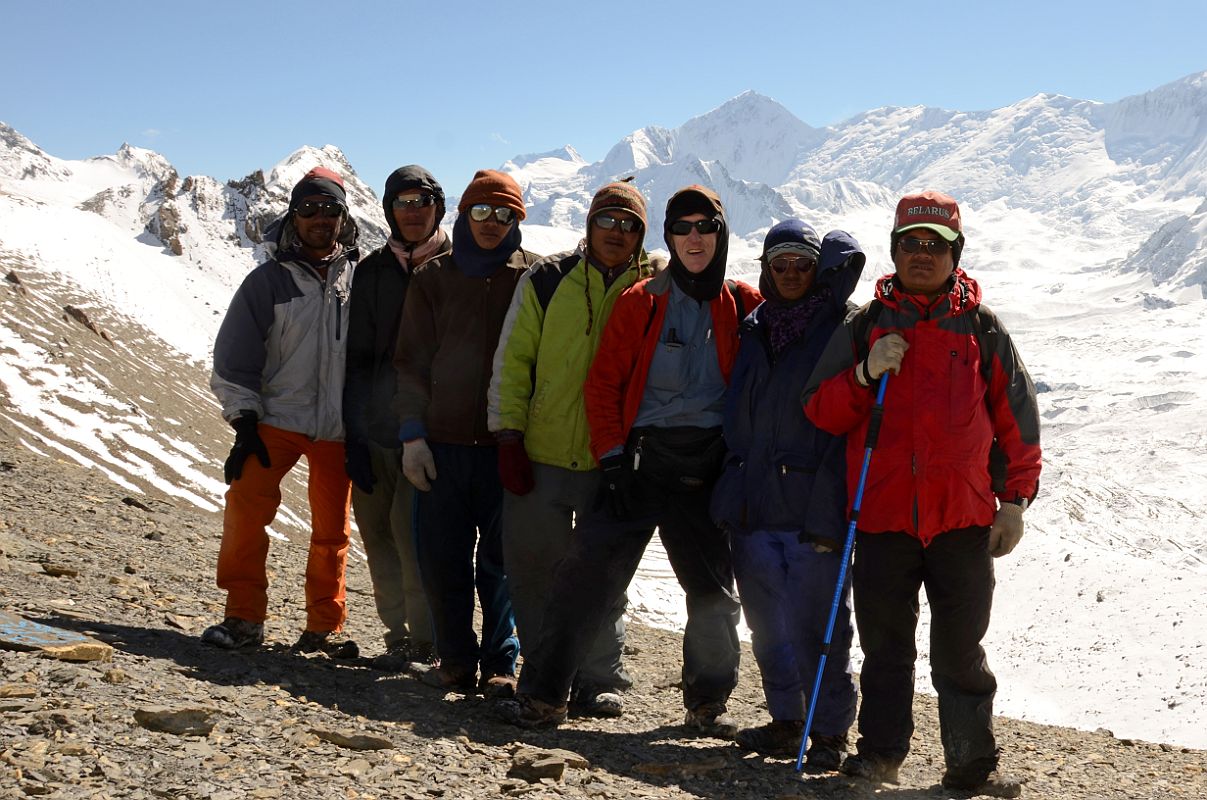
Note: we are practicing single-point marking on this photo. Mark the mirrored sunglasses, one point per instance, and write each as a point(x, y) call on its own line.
point(935, 247)
point(482, 212)
point(802, 264)
point(422, 201)
point(682, 227)
point(606, 223)
point(327, 208)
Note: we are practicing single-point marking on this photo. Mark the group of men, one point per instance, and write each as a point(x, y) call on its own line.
point(485, 416)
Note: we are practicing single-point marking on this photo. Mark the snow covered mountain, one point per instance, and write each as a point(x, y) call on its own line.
point(1087, 226)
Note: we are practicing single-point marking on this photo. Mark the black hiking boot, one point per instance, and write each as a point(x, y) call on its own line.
point(825, 752)
point(779, 738)
point(329, 643)
point(234, 634)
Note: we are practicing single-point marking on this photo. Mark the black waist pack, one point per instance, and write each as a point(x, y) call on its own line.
point(679, 459)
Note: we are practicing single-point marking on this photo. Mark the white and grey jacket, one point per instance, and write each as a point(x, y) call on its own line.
point(280, 351)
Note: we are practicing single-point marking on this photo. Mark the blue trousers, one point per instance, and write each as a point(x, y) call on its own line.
point(460, 548)
point(787, 591)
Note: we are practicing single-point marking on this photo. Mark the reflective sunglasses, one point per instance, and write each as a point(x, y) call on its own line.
point(935, 247)
point(682, 227)
point(482, 212)
point(422, 201)
point(327, 208)
point(802, 264)
point(607, 223)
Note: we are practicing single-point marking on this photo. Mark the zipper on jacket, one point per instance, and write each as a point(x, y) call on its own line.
point(786, 468)
point(637, 453)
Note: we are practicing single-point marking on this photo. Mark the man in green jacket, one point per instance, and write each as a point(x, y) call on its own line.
point(535, 408)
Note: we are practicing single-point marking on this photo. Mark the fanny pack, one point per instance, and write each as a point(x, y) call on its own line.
point(678, 459)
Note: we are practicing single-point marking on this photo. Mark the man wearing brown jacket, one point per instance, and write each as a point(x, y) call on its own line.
point(450, 328)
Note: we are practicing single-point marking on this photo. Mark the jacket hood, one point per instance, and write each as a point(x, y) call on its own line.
point(411, 178)
point(839, 267)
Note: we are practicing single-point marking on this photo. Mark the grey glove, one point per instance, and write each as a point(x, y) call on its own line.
point(1006, 531)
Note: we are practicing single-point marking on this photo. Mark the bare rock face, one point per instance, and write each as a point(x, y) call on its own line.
point(178, 721)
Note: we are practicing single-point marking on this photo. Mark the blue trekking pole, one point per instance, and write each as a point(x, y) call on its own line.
point(868, 446)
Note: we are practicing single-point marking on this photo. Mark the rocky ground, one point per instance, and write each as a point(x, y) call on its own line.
point(160, 715)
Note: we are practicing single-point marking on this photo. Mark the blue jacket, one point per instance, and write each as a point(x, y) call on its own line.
point(783, 473)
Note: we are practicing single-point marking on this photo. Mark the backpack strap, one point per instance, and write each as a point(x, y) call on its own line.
point(548, 276)
point(732, 285)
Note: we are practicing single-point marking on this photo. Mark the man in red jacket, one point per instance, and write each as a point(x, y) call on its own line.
point(930, 515)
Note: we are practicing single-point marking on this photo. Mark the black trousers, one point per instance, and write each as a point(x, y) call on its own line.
point(957, 571)
point(603, 557)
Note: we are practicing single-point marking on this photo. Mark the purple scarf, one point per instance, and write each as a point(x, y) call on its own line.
point(787, 321)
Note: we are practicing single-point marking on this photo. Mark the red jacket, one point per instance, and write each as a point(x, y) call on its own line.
point(929, 471)
point(616, 380)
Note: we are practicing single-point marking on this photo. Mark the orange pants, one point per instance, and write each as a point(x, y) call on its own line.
point(251, 504)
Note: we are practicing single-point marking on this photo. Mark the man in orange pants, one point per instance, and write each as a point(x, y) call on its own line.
point(279, 374)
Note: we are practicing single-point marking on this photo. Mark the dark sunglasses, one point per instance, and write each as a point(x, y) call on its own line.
point(422, 201)
point(682, 227)
point(802, 264)
point(482, 212)
point(607, 223)
point(935, 247)
point(327, 208)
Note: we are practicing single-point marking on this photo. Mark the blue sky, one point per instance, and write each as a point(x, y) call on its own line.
point(225, 88)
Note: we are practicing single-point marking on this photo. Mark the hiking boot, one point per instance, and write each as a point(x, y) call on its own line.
point(450, 678)
point(396, 658)
point(596, 701)
point(332, 644)
point(497, 687)
point(424, 653)
point(710, 719)
point(779, 738)
point(825, 752)
point(979, 783)
point(871, 767)
point(234, 633)
point(527, 711)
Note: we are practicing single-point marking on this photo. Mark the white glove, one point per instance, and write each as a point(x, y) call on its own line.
point(1006, 531)
point(418, 465)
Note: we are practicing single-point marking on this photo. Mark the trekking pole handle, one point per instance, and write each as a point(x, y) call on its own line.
point(877, 414)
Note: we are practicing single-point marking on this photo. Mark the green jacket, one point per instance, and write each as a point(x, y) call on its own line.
point(549, 337)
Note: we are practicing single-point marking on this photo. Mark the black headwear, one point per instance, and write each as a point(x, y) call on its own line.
point(411, 178)
point(695, 199)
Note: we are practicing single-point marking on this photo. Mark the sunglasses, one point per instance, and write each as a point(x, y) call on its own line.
point(422, 201)
point(935, 247)
point(482, 212)
point(607, 223)
point(328, 209)
point(802, 264)
point(682, 227)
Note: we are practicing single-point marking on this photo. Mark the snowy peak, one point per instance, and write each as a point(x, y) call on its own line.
point(21, 159)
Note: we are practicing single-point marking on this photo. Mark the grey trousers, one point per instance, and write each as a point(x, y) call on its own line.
point(386, 522)
point(537, 531)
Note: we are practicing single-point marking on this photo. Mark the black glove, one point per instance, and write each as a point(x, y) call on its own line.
point(615, 486)
point(358, 465)
point(247, 441)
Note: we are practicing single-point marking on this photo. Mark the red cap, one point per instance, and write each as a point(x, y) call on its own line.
point(932, 210)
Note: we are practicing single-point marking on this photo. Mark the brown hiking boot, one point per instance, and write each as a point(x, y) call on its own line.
point(527, 711)
point(450, 678)
point(710, 719)
point(332, 644)
point(497, 687)
point(871, 767)
point(779, 738)
point(979, 783)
